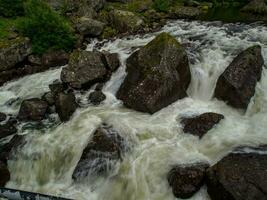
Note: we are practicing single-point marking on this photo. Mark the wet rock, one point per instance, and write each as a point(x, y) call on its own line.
point(13, 52)
point(201, 124)
point(89, 27)
point(96, 97)
point(57, 87)
point(33, 110)
point(237, 84)
point(49, 98)
point(112, 60)
point(239, 176)
point(256, 7)
point(4, 174)
point(2, 116)
point(158, 75)
point(54, 58)
point(99, 86)
point(125, 21)
point(102, 152)
point(186, 180)
point(65, 105)
point(84, 70)
point(10, 148)
point(7, 129)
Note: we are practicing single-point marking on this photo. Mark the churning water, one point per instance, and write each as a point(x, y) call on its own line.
point(46, 163)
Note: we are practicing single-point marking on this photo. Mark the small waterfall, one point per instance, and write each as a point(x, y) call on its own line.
point(46, 163)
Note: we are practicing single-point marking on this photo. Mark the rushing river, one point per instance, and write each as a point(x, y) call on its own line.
point(46, 163)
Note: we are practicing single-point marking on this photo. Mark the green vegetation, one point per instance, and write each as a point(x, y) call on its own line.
point(11, 8)
point(162, 5)
point(46, 28)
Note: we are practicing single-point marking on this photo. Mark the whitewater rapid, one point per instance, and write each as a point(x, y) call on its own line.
point(46, 163)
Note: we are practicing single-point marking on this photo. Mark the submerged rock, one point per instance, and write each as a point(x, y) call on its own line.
point(239, 176)
point(237, 84)
point(104, 149)
point(14, 52)
point(158, 75)
point(186, 180)
point(84, 69)
point(7, 129)
point(96, 97)
point(10, 148)
point(65, 105)
point(33, 110)
point(125, 21)
point(4, 174)
point(57, 87)
point(201, 124)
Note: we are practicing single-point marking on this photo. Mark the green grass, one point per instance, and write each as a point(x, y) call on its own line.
point(46, 28)
point(7, 26)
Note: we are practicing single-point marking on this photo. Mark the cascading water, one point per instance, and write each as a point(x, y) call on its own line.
point(46, 163)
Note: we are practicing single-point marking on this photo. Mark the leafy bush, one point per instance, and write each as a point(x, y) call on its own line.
point(162, 5)
point(11, 8)
point(46, 28)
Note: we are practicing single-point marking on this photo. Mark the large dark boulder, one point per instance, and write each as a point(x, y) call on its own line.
point(158, 75)
point(104, 149)
point(65, 105)
point(237, 84)
point(201, 124)
point(186, 180)
point(33, 110)
point(4, 174)
point(7, 129)
point(84, 69)
point(241, 175)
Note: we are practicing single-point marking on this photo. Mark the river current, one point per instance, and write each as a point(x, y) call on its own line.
point(46, 162)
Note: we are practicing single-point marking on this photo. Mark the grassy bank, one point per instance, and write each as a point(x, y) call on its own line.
point(46, 28)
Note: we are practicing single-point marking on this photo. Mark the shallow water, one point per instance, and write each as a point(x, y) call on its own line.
point(46, 163)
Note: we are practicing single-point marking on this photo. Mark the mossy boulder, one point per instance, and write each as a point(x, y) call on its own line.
point(256, 7)
point(183, 12)
point(89, 27)
point(140, 5)
point(158, 75)
point(13, 52)
point(125, 21)
point(84, 69)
